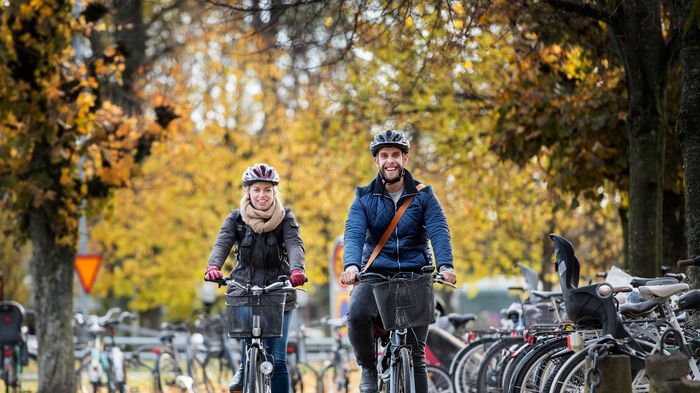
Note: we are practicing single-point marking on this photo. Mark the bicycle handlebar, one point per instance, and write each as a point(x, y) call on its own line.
point(694, 261)
point(281, 283)
point(437, 278)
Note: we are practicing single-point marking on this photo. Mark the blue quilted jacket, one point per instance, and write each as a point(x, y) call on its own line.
point(407, 248)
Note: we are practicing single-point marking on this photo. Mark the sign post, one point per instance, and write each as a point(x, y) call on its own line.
point(339, 293)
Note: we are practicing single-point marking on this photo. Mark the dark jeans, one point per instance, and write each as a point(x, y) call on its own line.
point(277, 348)
point(362, 313)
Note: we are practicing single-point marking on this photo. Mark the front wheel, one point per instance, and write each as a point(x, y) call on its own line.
point(253, 382)
point(402, 373)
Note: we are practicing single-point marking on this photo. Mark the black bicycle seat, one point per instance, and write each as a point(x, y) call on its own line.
point(458, 320)
point(638, 309)
point(640, 281)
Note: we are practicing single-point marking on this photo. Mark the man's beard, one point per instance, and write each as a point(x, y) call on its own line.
point(396, 179)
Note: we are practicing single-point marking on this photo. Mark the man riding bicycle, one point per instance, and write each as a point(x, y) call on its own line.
point(405, 250)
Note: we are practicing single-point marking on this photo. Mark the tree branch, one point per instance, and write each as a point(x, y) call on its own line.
point(587, 10)
point(274, 7)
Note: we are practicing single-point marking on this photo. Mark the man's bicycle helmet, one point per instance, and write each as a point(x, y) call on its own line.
point(389, 138)
point(260, 172)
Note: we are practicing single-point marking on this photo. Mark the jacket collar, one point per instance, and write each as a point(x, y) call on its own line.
point(409, 185)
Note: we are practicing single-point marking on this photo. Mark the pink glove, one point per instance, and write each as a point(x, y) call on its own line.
point(297, 278)
point(213, 273)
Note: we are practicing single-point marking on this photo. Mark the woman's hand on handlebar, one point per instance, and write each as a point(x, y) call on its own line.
point(213, 273)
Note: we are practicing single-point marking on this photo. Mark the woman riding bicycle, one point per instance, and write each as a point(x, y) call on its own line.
point(266, 236)
point(405, 249)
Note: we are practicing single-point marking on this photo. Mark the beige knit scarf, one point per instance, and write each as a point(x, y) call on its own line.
point(262, 221)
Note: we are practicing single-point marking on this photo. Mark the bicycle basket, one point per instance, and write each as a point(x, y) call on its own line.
point(11, 314)
point(246, 313)
point(406, 302)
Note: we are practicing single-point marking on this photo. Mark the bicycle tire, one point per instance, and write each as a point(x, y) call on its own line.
point(200, 379)
point(572, 374)
point(167, 371)
point(334, 378)
point(252, 373)
point(405, 372)
point(439, 380)
point(490, 370)
point(220, 369)
point(528, 374)
point(296, 380)
point(512, 363)
point(465, 366)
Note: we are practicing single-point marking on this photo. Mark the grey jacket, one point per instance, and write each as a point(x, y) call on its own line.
point(260, 258)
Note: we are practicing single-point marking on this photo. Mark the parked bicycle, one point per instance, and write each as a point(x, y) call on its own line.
point(102, 364)
point(404, 300)
point(12, 344)
point(169, 375)
point(304, 377)
point(335, 375)
point(220, 358)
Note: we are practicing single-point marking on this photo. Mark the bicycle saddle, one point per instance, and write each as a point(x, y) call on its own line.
point(458, 320)
point(651, 291)
point(635, 310)
point(640, 281)
point(546, 295)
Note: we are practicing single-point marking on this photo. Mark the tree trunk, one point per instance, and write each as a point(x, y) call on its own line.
point(645, 71)
point(674, 239)
point(624, 221)
point(52, 272)
point(131, 38)
point(688, 128)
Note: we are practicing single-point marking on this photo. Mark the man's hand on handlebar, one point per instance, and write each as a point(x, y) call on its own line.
point(349, 276)
point(448, 275)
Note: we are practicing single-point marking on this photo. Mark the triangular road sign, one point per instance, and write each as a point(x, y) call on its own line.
point(87, 266)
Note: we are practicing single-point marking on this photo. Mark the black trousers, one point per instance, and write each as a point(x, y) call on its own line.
point(362, 312)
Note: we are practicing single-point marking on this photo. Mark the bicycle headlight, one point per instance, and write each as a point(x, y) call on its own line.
point(266, 368)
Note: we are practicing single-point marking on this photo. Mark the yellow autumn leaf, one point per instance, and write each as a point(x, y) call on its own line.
point(458, 23)
point(329, 21)
point(408, 22)
point(458, 8)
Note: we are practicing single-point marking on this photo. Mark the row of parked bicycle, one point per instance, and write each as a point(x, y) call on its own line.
point(553, 333)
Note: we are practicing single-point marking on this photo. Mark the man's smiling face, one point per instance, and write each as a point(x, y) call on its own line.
point(391, 162)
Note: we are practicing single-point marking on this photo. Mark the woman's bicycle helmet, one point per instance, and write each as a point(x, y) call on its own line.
point(389, 138)
point(260, 172)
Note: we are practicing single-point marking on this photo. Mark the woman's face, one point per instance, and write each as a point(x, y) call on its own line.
point(261, 195)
